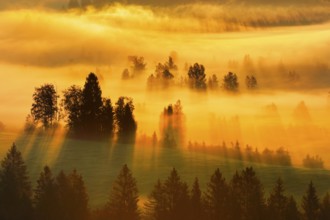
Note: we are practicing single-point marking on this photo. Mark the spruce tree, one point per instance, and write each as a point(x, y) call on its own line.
point(325, 207)
point(277, 201)
point(46, 196)
point(123, 202)
point(15, 187)
point(216, 197)
point(196, 209)
point(310, 203)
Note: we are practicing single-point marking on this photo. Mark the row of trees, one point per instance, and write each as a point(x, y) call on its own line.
point(196, 78)
point(84, 110)
point(64, 197)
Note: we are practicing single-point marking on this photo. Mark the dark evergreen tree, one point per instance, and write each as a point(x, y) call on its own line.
point(124, 118)
point(248, 197)
point(277, 202)
point(310, 203)
point(46, 199)
point(325, 207)
point(230, 82)
point(217, 197)
point(44, 107)
point(156, 205)
point(91, 106)
point(123, 203)
point(291, 211)
point(196, 208)
point(197, 77)
point(177, 197)
point(73, 197)
point(15, 188)
point(72, 105)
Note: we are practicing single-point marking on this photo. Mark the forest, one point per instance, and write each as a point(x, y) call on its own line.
point(64, 196)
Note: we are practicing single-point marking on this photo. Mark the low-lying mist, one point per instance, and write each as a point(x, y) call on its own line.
point(286, 48)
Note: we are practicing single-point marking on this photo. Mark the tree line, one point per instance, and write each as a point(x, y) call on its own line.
point(64, 197)
point(85, 111)
point(196, 78)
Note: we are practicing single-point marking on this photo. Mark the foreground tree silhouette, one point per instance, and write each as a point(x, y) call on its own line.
point(217, 198)
point(44, 107)
point(15, 188)
point(230, 82)
point(73, 198)
point(197, 77)
point(169, 200)
point(277, 202)
point(124, 197)
point(291, 211)
point(46, 198)
point(196, 208)
point(248, 197)
point(310, 203)
point(325, 207)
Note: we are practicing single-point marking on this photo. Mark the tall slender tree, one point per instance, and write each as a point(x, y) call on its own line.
point(325, 207)
point(91, 106)
point(196, 208)
point(217, 197)
point(277, 201)
point(310, 203)
point(123, 203)
point(124, 118)
point(46, 199)
point(15, 187)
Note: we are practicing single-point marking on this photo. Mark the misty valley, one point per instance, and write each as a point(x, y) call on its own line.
point(162, 110)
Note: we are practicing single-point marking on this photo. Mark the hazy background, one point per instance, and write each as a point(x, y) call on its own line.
point(43, 42)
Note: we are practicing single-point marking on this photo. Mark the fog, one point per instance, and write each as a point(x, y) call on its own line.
point(286, 48)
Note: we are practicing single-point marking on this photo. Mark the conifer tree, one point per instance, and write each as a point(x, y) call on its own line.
point(15, 187)
point(123, 202)
point(310, 203)
point(277, 201)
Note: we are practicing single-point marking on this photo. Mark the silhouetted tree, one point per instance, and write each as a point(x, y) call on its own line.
point(170, 64)
point(310, 203)
point(196, 208)
point(176, 192)
point(251, 82)
point(325, 207)
point(126, 124)
point(91, 105)
point(156, 205)
point(15, 188)
point(217, 197)
point(72, 105)
point(44, 107)
point(73, 198)
point(197, 77)
point(291, 211)
point(230, 82)
point(169, 200)
point(123, 203)
point(277, 202)
point(46, 198)
point(73, 4)
point(247, 194)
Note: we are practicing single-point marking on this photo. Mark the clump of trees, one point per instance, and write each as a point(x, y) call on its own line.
point(235, 151)
point(64, 197)
point(313, 162)
point(172, 122)
point(138, 66)
point(85, 111)
point(163, 76)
